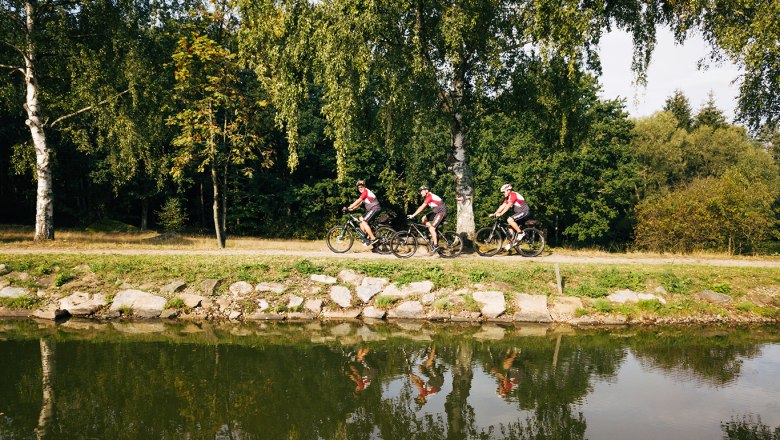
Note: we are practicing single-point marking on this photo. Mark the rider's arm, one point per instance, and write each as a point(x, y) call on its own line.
point(504, 207)
point(419, 210)
point(355, 204)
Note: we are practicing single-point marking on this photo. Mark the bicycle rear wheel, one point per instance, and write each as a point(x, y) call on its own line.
point(451, 244)
point(532, 243)
point(339, 239)
point(488, 241)
point(385, 236)
point(403, 244)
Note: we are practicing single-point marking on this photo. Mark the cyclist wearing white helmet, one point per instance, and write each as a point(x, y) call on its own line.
point(520, 208)
point(372, 208)
point(434, 219)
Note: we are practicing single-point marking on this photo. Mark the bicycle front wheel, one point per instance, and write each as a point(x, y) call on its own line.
point(339, 239)
point(488, 241)
point(403, 245)
point(385, 236)
point(532, 243)
point(451, 244)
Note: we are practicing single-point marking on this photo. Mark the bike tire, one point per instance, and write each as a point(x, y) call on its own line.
point(532, 243)
point(339, 239)
point(451, 244)
point(385, 235)
point(403, 244)
point(488, 241)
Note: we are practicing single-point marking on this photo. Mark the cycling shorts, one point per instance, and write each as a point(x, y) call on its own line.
point(371, 213)
point(520, 213)
point(436, 217)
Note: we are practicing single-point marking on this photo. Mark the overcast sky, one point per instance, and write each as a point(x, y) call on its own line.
point(672, 67)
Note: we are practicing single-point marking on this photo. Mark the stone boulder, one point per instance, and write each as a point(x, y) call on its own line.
point(3, 269)
point(13, 292)
point(651, 297)
point(407, 310)
point(623, 297)
point(713, 297)
point(341, 313)
point(564, 308)
point(531, 308)
point(365, 293)
point(143, 304)
point(192, 301)
point(418, 288)
point(372, 312)
point(262, 305)
point(493, 303)
point(371, 281)
point(294, 302)
point(277, 288)
point(341, 296)
point(241, 288)
point(208, 287)
point(173, 287)
point(428, 299)
point(313, 305)
point(83, 304)
point(324, 279)
point(51, 313)
point(349, 276)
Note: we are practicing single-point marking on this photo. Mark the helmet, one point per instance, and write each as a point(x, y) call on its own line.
point(424, 187)
point(505, 187)
point(360, 183)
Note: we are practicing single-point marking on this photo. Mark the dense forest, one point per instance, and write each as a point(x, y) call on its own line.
point(256, 117)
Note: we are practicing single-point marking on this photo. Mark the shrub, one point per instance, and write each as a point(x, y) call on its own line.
point(63, 277)
point(171, 216)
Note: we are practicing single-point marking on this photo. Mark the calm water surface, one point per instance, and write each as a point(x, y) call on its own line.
point(385, 381)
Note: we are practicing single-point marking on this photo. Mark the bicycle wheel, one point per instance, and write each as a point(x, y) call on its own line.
point(403, 244)
point(339, 239)
point(451, 244)
point(385, 236)
point(488, 241)
point(532, 243)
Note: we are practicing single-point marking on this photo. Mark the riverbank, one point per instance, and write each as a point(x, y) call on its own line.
point(284, 287)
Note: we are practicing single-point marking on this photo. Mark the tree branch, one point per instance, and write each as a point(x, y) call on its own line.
point(17, 68)
point(14, 47)
point(77, 112)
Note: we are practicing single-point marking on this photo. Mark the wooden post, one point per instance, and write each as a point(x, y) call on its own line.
point(558, 279)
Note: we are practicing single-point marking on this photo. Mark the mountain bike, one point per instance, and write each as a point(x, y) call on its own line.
point(488, 241)
point(340, 238)
point(404, 243)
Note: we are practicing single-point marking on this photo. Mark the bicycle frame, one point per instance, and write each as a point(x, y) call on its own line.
point(416, 227)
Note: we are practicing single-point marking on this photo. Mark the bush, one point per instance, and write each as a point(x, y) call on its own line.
point(172, 216)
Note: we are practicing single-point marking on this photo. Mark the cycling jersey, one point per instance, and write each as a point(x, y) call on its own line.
point(514, 199)
point(434, 202)
point(369, 199)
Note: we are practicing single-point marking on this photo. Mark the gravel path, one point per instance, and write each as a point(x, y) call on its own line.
point(514, 259)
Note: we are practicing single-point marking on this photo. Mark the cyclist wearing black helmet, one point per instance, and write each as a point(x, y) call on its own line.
point(434, 219)
point(520, 211)
point(372, 208)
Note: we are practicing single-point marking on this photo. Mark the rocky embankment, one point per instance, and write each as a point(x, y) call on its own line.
point(349, 295)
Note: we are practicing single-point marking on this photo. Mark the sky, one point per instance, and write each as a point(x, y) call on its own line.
point(672, 67)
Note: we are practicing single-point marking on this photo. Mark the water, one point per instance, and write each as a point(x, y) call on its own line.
point(387, 381)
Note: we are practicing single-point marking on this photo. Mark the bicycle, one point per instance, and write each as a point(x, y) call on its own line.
point(341, 237)
point(488, 241)
point(404, 243)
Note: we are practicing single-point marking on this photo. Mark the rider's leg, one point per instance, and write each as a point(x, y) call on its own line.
point(367, 229)
point(513, 224)
point(432, 230)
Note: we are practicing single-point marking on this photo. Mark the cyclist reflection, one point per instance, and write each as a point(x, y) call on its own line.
point(435, 378)
point(359, 372)
point(506, 375)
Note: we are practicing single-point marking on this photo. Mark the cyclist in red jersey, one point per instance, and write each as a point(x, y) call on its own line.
point(439, 209)
point(372, 208)
point(520, 211)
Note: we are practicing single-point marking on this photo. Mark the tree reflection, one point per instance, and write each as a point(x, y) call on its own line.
point(749, 429)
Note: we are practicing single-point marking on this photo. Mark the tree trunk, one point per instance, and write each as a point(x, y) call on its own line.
point(464, 183)
point(456, 403)
point(47, 406)
point(144, 214)
point(44, 213)
point(217, 223)
point(224, 205)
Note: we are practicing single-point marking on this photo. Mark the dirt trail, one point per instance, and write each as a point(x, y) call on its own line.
point(362, 254)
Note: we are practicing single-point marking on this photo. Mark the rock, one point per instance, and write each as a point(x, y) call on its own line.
point(4, 283)
point(234, 315)
point(262, 305)
point(83, 304)
point(324, 279)
point(295, 301)
point(301, 316)
point(3, 269)
point(490, 333)
point(428, 299)
point(241, 288)
point(372, 312)
point(466, 316)
point(143, 304)
point(313, 305)
point(51, 313)
point(341, 296)
point(650, 297)
point(661, 291)
point(169, 314)
point(21, 276)
point(564, 308)
point(531, 308)
point(713, 297)
point(191, 301)
point(13, 313)
point(349, 276)
point(224, 303)
point(207, 287)
point(173, 287)
point(341, 313)
point(624, 296)
point(365, 293)
point(277, 288)
point(417, 288)
point(343, 329)
point(13, 292)
point(494, 304)
point(262, 316)
point(407, 310)
point(371, 281)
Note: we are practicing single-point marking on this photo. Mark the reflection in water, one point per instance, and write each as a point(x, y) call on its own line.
point(361, 382)
point(749, 429)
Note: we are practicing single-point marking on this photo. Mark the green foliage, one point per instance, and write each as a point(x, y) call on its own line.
point(607, 281)
point(175, 303)
point(471, 304)
point(108, 225)
point(63, 277)
point(724, 288)
point(479, 275)
point(306, 267)
point(384, 301)
point(652, 306)
point(675, 284)
point(23, 302)
point(172, 216)
point(602, 306)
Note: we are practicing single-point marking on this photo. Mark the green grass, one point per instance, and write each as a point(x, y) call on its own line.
point(384, 301)
point(22, 302)
point(63, 277)
point(176, 304)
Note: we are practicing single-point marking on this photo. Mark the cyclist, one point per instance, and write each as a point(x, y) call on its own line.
point(372, 209)
point(434, 219)
point(521, 211)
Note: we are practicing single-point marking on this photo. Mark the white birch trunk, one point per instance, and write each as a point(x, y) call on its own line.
point(47, 405)
point(44, 213)
point(464, 183)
